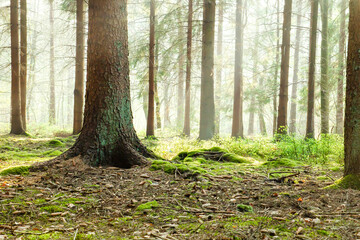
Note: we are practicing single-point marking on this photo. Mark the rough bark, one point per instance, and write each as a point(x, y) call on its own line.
point(219, 66)
point(79, 68)
point(276, 75)
point(340, 83)
point(52, 118)
point(207, 105)
point(108, 136)
point(23, 59)
point(16, 123)
point(237, 124)
point(180, 83)
point(352, 110)
point(293, 105)
point(284, 75)
point(150, 131)
point(312, 60)
point(188, 71)
point(324, 82)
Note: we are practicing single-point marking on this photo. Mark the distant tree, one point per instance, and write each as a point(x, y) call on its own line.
point(52, 118)
point(151, 110)
point(293, 106)
point(108, 136)
point(284, 76)
point(352, 111)
point(23, 59)
point(312, 62)
point(16, 123)
point(219, 66)
point(237, 124)
point(207, 105)
point(188, 70)
point(79, 67)
point(156, 82)
point(324, 68)
point(340, 85)
point(180, 83)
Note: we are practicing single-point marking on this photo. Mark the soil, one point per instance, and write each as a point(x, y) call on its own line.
point(74, 201)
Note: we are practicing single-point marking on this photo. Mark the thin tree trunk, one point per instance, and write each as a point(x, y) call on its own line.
point(352, 111)
point(167, 105)
point(340, 84)
point(254, 83)
point(79, 71)
point(219, 68)
point(16, 123)
point(23, 59)
point(180, 84)
point(157, 99)
point(293, 106)
point(207, 105)
point(151, 110)
point(324, 68)
point(52, 118)
point(312, 62)
point(188, 71)
point(276, 75)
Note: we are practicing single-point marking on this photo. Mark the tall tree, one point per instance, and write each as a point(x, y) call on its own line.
point(188, 70)
point(156, 79)
point(207, 105)
point(352, 110)
point(324, 88)
point(52, 118)
point(180, 83)
point(151, 110)
point(23, 59)
point(79, 68)
point(219, 66)
point(312, 60)
point(16, 123)
point(108, 136)
point(340, 84)
point(284, 75)
point(276, 74)
point(237, 124)
point(293, 106)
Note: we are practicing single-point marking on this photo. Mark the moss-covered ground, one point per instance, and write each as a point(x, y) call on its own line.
point(221, 189)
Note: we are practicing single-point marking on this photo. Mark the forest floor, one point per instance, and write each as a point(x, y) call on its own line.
point(213, 200)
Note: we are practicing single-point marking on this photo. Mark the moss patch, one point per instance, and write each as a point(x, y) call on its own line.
point(281, 162)
point(55, 143)
point(244, 208)
point(349, 181)
point(171, 168)
point(148, 205)
point(22, 170)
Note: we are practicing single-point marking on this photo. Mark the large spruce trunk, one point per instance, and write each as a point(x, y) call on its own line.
point(108, 136)
point(352, 110)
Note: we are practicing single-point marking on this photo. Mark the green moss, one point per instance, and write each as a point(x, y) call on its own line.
point(21, 170)
point(55, 143)
point(54, 235)
point(350, 181)
point(52, 153)
point(230, 157)
point(244, 208)
point(323, 178)
point(171, 168)
point(282, 162)
point(52, 208)
point(148, 205)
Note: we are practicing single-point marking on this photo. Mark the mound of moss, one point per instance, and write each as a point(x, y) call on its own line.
point(349, 181)
point(21, 170)
point(55, 143)
point(281, 162)
point(214, 154)
point(148, 205)
point(171, 168)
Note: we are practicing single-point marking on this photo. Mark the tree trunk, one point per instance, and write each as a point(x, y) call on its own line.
point(188, 71)
point(219, 68)
point(16, 123)
point(352, 111)
point(312, 60)
point(167, 100)
point(207, 105)
point(108, 136)
point(156, 79)
point(23, 59)
point(324, 68)
point(180, 84)
point(275, 93)
point(52, 67)
point(237, 124)
point(284, 75)
point(293, 106)
point(79, 71)
point(340, 84)
point(151, 110)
